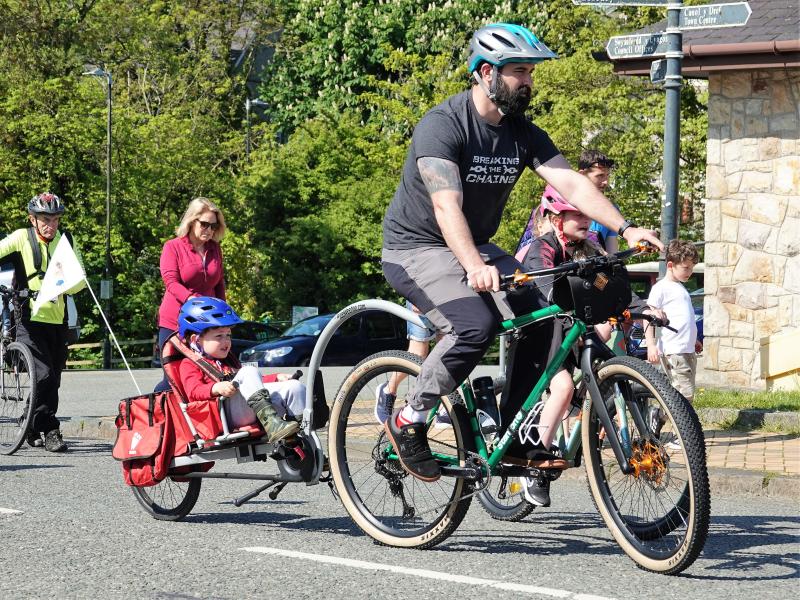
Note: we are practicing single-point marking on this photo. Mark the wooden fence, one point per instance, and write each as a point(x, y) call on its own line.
point(115, 361)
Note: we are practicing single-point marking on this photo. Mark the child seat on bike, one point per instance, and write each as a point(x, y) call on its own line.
point(207, 421)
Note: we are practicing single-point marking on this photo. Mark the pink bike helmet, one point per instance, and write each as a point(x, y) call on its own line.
point(554, 202)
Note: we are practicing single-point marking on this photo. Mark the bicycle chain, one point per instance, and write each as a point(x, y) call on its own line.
point(486, 481)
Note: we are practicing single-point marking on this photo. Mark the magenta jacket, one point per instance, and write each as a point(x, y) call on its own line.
point(185, 275)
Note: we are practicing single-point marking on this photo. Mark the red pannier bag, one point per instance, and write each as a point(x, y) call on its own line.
point(145, 441)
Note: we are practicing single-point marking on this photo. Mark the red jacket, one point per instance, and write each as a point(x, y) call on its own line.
point(197, 385)
point(185, 275)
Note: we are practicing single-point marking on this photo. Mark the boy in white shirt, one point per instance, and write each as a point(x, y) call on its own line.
point(679, 349)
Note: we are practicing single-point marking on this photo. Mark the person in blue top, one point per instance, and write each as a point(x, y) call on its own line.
point(597, 167)
point(465, 157)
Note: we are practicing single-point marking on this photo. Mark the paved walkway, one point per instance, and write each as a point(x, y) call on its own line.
point(775, 453)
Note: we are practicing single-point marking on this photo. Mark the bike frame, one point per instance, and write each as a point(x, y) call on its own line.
point(570, 447)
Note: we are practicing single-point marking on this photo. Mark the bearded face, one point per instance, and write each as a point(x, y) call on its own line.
point(512, 103)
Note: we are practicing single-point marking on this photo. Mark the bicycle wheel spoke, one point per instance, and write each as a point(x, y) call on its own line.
point(18, 396)
point(385, 501)
point(649, 509)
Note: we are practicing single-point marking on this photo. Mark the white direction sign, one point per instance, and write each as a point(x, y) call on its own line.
point(658, 71)
point(622, 2)
point(635, 46)
point(715, 15)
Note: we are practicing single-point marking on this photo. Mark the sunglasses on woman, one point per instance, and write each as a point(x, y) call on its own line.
point(205, 225)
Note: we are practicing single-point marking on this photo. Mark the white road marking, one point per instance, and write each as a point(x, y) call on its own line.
point(9, 511)
point(476, 581)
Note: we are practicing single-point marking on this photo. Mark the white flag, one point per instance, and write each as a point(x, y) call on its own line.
point(64, 271)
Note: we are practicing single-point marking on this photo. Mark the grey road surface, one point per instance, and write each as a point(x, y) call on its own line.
point(71, 529)
point(97, 393)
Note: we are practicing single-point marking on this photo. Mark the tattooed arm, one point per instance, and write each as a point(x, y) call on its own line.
point(443, 182)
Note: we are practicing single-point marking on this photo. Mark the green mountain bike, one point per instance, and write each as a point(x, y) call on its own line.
point(647, 476)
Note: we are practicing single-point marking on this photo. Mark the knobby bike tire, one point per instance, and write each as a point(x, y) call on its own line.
point(512, 509)
point(169, 499)
point(19, 396)
point(384, 501)
point(659, 515)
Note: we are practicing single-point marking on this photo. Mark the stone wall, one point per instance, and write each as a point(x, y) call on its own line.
point(752, 221)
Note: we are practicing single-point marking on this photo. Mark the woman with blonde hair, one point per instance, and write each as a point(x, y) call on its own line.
point(191, 265)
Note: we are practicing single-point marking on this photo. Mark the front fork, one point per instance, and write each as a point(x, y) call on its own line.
point(618, 437)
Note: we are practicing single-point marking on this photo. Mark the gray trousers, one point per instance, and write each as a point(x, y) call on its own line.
point(434, 280)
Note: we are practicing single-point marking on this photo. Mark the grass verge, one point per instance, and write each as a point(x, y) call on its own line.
point(777, 401)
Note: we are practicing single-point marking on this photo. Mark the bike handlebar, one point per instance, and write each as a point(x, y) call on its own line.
point(638, 316)
point(7, 291)
point(576, 266)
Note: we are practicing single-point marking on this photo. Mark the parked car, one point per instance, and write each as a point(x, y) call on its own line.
point(361, 335)
point(644, 275)
point(245, 335)
point(637, 344)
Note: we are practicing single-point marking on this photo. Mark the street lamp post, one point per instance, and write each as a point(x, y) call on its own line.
point(247, 104)
point(106, 290)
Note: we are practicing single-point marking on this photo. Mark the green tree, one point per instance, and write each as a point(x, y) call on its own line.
point(177, 128)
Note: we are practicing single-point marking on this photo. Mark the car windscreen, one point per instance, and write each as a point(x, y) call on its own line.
point(311, 327)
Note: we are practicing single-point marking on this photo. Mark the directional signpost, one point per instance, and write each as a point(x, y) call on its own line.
point(635, 46)
point(658, 71)
point(715, 15)
point(669, 44)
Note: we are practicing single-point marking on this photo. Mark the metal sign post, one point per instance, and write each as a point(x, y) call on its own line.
point(669, 44)
point(673, 81)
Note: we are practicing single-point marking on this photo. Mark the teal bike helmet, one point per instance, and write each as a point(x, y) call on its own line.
point(502, 43)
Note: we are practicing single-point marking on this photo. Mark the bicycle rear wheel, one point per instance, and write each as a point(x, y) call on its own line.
point(17, 396)
point(659, 514)
point(386, 503)
point(503, 499)
point(169, 500)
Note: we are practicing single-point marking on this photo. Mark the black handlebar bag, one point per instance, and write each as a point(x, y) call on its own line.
point(596, 294)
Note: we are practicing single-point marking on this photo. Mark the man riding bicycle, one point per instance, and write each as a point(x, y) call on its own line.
point(465, 157)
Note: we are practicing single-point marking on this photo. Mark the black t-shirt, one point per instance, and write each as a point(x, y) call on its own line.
point(490, 159)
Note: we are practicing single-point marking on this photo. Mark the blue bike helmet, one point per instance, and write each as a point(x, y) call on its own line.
point(502, 43)
point(204, 312)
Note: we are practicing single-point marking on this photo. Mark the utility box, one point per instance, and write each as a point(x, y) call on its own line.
point(780, 361)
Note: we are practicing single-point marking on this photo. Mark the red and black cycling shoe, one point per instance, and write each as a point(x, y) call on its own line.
point(411, 444)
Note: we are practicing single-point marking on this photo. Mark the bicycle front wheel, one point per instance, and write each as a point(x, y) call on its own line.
point(17, 396)
point(386, 503)
point(659, 513)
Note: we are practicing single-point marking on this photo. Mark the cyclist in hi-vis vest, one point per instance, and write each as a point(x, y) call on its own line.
point(45, 330)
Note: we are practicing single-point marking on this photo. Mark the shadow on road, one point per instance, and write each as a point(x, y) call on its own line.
point(745, 546)
point(12, 468)
point(299, 522)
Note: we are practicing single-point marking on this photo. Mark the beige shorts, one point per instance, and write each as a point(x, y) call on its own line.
point(682, 371)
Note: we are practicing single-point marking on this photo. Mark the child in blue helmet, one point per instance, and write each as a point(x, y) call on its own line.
point(205, 325)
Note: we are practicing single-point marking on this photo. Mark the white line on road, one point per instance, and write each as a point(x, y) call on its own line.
point(373, 566)
point(9, 511)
